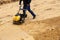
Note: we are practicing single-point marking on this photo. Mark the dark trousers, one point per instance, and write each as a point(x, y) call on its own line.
point(28, 8)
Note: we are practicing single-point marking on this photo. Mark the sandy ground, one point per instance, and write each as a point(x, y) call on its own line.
point(46, 26)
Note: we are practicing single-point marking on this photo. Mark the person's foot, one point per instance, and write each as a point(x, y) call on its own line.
point(34, 16)
point(25, 15)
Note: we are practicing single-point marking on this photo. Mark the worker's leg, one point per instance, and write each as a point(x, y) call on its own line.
point(24, 11)
point(28, 8)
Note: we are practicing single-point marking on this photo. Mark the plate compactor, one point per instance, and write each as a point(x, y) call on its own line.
point(19, 18)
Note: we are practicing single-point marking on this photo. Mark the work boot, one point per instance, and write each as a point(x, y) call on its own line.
point(25, 15)
point(34, 16)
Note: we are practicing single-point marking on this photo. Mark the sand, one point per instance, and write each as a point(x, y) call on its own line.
point(46, 26)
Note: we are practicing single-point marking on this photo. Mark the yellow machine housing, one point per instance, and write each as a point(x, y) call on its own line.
point(16, 18)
